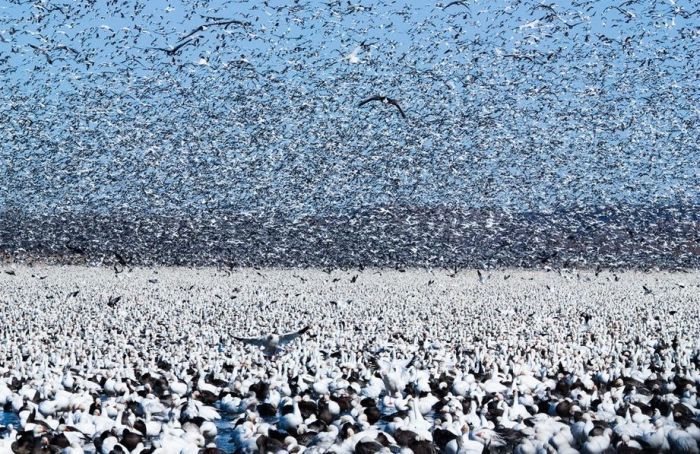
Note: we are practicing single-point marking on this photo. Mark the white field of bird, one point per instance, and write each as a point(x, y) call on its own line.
point(177, 360)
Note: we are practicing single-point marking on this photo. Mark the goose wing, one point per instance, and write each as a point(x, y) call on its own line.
point(372, 98)
point(257, 341)
point(288, 337)
point(395, 103)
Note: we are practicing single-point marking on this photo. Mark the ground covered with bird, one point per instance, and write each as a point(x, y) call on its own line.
point(272, 360)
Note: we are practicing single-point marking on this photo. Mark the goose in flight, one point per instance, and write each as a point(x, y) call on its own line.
point(272, 343)
point(385, 100)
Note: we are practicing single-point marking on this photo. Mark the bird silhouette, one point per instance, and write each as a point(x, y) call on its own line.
point(385, 100)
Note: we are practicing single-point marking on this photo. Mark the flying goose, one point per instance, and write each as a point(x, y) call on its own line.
point(272, 343)
point(386, 100)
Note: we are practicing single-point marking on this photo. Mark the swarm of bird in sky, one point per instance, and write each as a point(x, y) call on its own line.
point(316, 109)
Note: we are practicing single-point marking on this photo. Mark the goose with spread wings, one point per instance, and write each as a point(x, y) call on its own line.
point(386, 100)
point(272, 343)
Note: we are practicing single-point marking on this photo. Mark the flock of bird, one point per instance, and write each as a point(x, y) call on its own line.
point(375, 136)
point(201, 111)
point(178, 360)
point(634, 237)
